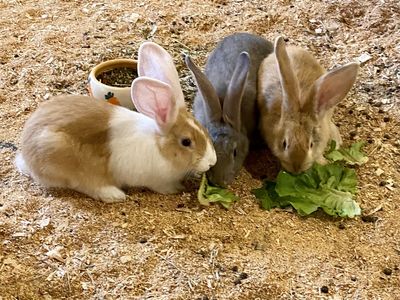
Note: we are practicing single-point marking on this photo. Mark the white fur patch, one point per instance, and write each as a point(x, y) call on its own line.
point(135, 157)
point(209, 159)
point(21, 164)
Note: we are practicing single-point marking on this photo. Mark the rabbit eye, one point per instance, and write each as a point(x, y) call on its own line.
point(186, 142)
point(311, 144)
point(284, 145)
point(234, 152)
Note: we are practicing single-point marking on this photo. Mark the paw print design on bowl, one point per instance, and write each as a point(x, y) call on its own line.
point(112, 94)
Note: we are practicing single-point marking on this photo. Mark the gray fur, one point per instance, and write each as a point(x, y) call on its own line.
point(219, 70)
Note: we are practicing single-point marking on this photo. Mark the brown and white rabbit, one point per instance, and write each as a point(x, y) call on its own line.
point(226, 103)
point(96, 148)
point(296, 99)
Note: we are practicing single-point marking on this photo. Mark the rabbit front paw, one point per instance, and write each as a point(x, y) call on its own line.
point(111, 194)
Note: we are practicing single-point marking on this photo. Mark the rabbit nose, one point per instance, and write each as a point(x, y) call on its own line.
point(216, 180)
point(297, 168)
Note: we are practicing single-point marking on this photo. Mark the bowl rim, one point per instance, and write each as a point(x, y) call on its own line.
point(108, 65)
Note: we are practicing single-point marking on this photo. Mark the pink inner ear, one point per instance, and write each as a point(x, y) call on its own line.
point(162, 113)
point(330, 91)
point(334, 86)
point(154, 62)
point(325, 97)
point(154, 99)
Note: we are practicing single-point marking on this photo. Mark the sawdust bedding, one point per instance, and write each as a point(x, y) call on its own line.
point(58, 244)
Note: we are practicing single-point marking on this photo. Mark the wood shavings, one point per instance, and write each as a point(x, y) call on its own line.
point(125, 259)
point(44, 222)
point(55, 253)
point(132, 18)
point(376, 209)
point(379, 172)
point(11, 262)
point(364, 58)
point(20, 234)
point(188, 252)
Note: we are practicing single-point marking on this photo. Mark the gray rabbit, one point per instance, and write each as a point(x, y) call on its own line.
point(226, 100)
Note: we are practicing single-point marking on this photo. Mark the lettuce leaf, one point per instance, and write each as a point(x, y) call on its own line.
point(352, 155)
point(330, 187)
point(211, 194)
point(268, 196)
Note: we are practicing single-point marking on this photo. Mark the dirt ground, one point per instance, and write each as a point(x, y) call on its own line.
point(59, 244)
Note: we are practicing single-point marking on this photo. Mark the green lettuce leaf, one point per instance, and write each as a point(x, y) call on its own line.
point(329, 187)
point(352, 155)
point(268, 196)
point(211, 194)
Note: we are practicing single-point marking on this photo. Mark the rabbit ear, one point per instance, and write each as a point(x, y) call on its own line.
point(210, 97)
point(333, 86)
point(289, 82)
point(156, 63)
point(233, 99)
point(156, 100)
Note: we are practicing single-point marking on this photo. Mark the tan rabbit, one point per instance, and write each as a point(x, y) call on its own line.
point(296, 98)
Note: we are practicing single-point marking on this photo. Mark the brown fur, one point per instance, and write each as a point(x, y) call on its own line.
point(170, 145)
point(301, 123)
point(68, 141)
point(307, 70)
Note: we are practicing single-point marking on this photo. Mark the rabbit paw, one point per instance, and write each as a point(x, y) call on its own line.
point(111, 194)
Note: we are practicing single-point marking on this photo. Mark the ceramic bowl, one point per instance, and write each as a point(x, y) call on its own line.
point(111, 93)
